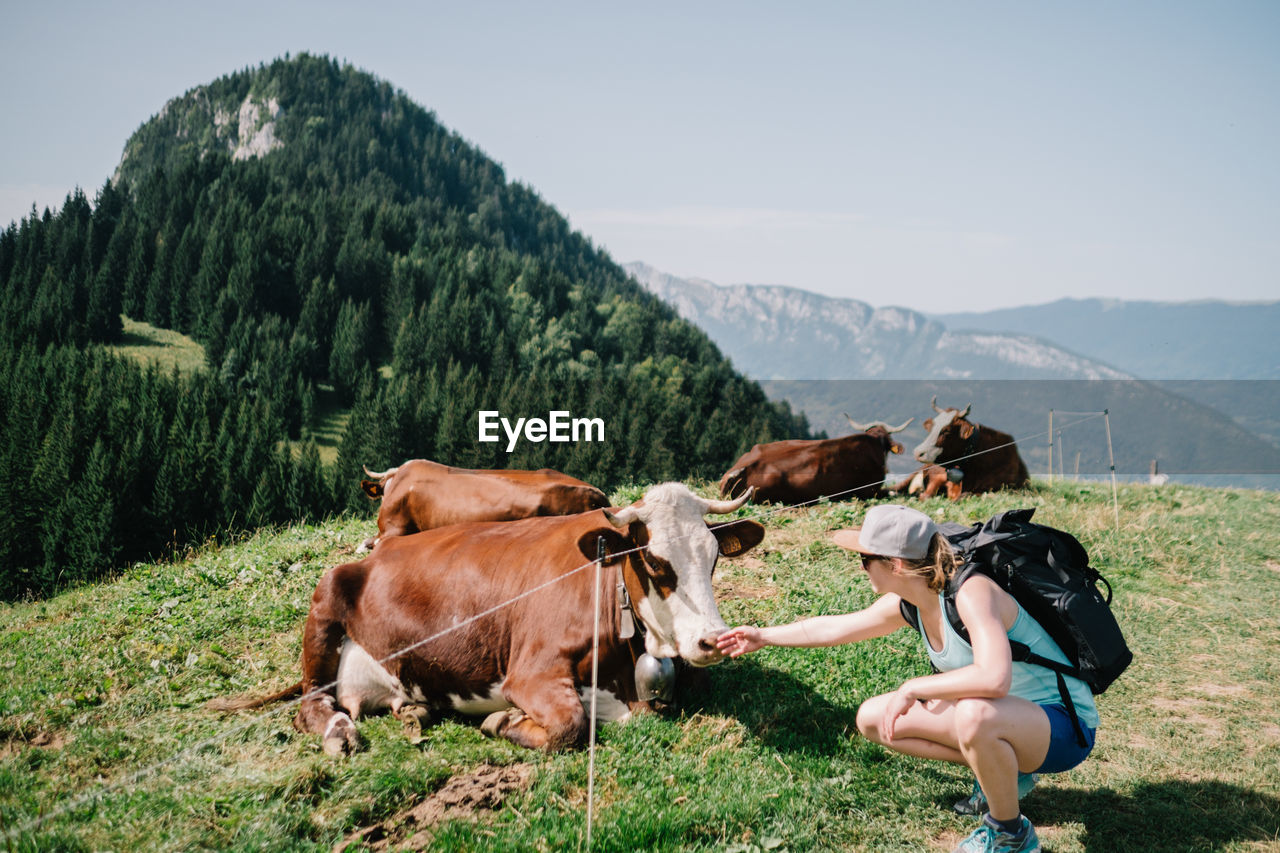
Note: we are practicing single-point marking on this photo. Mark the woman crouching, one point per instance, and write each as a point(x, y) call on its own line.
point(1001, 718)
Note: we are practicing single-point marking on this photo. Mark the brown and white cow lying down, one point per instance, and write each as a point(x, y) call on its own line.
point(423, 495)
point(962, 456)
point(526, 665)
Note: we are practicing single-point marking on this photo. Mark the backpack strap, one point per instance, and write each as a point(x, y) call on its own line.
point(912, 614)
point(1020, 652)
point(1024, 654)
point(909, 612)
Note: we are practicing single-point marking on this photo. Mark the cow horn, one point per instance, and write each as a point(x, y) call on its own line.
point(622, 518)
point(726, 507)
point(934, 403)
point(378, 476)
point(965, 413)
point(884, 426)
point(857, 426)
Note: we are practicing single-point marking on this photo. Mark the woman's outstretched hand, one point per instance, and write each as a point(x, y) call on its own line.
point(740, 640)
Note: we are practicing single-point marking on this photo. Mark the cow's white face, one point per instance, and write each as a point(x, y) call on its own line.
point(683, 620)
point(929, 449)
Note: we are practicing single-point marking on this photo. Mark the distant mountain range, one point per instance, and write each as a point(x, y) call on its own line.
point(1225, 355)
point(798, 342)
point(775, 332)
point(1153, 340)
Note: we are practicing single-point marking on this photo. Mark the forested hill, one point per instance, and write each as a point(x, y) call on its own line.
point(330, 245)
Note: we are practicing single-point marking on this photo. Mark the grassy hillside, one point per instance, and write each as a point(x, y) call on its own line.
point(165, 348)
point(105, 744)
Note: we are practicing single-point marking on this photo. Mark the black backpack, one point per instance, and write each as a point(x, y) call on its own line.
point(1048, 572)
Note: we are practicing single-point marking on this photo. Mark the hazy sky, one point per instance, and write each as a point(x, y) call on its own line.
point(944, 156)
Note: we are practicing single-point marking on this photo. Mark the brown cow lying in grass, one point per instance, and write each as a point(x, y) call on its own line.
point(496, 619)
point(422, 495)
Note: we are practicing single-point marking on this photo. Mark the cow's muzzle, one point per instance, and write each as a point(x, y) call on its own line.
point(706, 653)
point(927, 455)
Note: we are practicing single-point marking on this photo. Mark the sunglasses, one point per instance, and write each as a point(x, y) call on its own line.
point(868, 559)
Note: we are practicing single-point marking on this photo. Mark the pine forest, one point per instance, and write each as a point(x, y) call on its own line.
point(341, 258)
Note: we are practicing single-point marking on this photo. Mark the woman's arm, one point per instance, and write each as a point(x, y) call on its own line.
point(881, 618)
point(987, 612)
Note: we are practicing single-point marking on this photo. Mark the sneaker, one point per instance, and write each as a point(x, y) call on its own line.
point(976, 802)
point(989, 839)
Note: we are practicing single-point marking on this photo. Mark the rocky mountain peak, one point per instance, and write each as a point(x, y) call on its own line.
point(778, 332)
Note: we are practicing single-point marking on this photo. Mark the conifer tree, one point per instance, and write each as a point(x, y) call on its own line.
point(102, 320)
point(138, 272)
point(308, 491)
point(351, 348)
point(90, 547)
point(53, 471)
point(157, 306)
point(182, 276)
point(268, 500)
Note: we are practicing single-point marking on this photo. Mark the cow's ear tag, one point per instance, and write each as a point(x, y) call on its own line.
point(730, 546)
point(738, 537)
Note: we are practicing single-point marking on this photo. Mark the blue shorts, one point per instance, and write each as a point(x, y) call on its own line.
point(1065, 751)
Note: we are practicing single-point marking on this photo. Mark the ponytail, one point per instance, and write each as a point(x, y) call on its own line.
point(938, 565)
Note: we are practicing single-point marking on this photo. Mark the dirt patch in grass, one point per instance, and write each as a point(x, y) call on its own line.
point(480, 790)
point(1218, 691)
point(1191, 711)
point(11, 745)
point(949, 839)
point(743, 587)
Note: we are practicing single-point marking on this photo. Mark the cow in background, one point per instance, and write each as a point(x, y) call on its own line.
point(965, 457)
point(800, 471)
point(423, 495)
point(931, 479)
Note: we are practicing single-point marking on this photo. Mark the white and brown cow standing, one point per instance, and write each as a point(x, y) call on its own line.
point(527, 664)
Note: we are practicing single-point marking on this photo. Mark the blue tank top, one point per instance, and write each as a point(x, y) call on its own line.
point(1035, 683)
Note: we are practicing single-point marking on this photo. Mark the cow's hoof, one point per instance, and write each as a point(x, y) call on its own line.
point(418, 714)
point(414, 718)
point(498, 722)
point(342, 738)
point(492, 725)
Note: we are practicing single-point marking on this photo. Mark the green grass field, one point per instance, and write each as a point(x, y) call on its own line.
point(167, 349)
point(105, 743)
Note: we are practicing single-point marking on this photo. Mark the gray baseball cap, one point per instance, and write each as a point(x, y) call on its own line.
point(891, 530)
